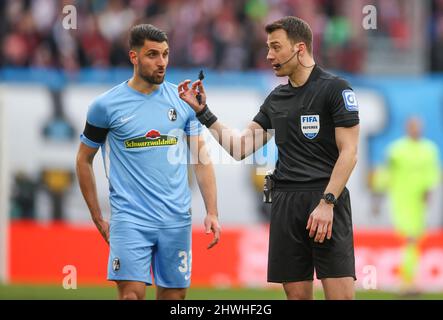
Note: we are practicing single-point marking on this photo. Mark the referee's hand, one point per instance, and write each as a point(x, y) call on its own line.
point(189, 95)
point(320, 222)
point(211, 224)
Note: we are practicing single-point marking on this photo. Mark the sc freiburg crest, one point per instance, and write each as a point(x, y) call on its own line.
point(172, 114)
point(116, 264)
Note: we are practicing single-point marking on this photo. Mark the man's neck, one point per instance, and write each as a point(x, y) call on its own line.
point(141, 85)
point(301, 74)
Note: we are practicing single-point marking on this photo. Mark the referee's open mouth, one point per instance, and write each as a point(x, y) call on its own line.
point(276, 66)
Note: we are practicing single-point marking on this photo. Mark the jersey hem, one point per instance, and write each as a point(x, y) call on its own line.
point(154, 226)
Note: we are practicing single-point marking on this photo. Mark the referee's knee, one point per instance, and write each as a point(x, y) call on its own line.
point(299, 291)
point(299, 296)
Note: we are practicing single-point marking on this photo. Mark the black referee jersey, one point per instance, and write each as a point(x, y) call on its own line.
point(304, 119)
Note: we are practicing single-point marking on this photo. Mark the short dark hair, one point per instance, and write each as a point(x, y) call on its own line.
point(296, 29)
point(141, 32)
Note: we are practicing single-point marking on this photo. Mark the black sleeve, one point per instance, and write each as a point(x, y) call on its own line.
point(343, 104)
point(262, 117)
point(95, 134)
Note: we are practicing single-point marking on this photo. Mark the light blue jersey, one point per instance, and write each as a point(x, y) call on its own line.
point(145, 133)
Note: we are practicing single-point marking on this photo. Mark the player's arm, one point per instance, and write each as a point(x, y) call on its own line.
point(86, 178)
point(238, 144)
point(204, 172)
point(379, 178)
point(93, 136)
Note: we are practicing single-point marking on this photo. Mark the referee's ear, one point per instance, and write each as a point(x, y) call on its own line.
point(301, 48)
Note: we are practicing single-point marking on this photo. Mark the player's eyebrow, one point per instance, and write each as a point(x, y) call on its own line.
point(152, 51)
point(157, 50)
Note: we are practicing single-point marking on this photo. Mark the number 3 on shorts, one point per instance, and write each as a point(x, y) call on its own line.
point(185, 264)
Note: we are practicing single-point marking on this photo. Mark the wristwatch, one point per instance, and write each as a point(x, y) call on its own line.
point(329, 198)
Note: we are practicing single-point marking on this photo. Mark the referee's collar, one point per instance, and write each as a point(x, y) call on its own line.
point(315, 73)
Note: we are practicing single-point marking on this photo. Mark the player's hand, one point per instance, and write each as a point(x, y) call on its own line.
point(320, 222)
point(189, 95)
point(103, 228)
point(212, 225)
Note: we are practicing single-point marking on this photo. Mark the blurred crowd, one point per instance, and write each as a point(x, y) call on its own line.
point(219, 34)
point(436, 36)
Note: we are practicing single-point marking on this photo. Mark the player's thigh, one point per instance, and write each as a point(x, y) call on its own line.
point(170, 293)
point(172, 259)
point(339, 288)
point(300, 290)
point(131, 290)
point(130, 255)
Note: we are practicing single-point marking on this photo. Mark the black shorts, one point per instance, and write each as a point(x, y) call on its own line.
point(293, 255)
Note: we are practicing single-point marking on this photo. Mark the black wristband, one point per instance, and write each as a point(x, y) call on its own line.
point(206, 117)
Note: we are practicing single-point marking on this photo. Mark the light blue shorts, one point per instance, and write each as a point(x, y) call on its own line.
point(136, 249)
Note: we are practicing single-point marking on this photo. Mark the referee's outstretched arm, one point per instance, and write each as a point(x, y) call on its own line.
point(238, 144)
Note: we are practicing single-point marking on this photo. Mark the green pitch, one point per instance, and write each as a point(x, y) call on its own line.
point(91, 293)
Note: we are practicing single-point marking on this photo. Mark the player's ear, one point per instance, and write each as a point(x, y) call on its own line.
point(133, 57)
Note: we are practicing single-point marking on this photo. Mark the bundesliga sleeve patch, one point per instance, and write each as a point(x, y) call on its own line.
point(350, 100)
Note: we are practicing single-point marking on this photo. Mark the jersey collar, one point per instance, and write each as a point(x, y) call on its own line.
point(152, 94)
point(315, 74)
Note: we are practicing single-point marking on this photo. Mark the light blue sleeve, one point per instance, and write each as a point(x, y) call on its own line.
point(97, 117)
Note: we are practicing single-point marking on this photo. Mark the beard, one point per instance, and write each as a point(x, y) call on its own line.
point(153, 78)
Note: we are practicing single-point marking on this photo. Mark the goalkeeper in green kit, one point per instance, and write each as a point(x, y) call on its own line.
point(411, 171)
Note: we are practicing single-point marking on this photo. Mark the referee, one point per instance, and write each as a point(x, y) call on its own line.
point(314, 118)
